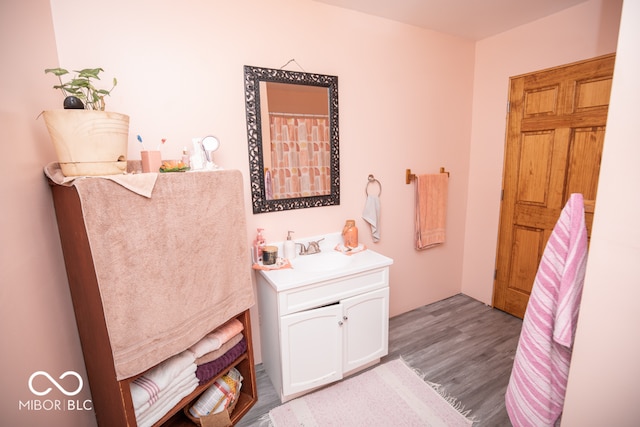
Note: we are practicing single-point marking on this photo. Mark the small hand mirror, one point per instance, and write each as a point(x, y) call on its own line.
point(210, 143)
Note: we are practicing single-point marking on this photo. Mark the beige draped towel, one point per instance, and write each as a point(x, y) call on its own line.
point(140, 183)
point(170, 268)
point(430, 209)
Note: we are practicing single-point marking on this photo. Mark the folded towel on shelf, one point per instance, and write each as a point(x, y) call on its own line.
point(167, 399)
point(215, 339)
point(145, 389)
point(430, 210)
point(371, 214)
point(213, 355)
point(183, 377)
point(211, 369)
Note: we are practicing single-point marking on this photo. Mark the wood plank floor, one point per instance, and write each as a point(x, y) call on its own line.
point(459, 342)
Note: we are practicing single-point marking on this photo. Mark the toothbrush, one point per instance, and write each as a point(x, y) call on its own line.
point(140, 139)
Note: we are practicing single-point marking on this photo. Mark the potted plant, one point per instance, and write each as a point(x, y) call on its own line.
point(88, 140)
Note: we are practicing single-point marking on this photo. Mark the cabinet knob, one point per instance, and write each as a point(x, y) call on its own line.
point(345, 318)
point(340, 323)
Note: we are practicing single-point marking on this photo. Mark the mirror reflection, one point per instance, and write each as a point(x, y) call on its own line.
point(292, 124)
point(295, 144)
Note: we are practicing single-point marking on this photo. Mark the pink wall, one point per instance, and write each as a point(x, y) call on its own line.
point(37, 326)
point(405, 102)
point(180, 75)
point(603, 384)
point(584, 31)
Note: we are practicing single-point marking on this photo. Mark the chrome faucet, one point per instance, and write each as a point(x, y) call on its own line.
point(312, 247)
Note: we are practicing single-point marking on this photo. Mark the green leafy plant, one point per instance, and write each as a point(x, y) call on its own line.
point(80, 92)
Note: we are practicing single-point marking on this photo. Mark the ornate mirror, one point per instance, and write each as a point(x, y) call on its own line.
point(292, 130)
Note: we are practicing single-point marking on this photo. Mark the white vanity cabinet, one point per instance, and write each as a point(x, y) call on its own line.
point(324, 343)
point(326, 327)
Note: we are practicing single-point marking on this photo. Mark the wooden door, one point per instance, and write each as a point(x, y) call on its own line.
point(555, 133)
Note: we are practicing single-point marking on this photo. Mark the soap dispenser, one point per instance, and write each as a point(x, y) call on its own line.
point(258, 244)
point(289, 247)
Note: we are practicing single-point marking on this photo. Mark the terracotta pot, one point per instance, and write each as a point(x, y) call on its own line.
point(89, 143)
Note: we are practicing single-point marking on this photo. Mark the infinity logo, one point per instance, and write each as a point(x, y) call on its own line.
point(58, 386)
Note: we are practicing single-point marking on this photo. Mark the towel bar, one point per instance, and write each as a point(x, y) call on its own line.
point(410, 176)
point(372, 179)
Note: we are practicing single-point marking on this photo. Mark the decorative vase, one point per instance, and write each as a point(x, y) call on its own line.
point(350, 234)
point(89, 143)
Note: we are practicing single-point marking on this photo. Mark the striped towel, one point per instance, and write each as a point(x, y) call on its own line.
point(145, 389)
point(536, 390)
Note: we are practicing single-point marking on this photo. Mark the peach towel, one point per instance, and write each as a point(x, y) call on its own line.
point(215, 339)
point(215, 354)
point(431, 210)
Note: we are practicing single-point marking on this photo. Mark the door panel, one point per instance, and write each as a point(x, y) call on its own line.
point(584, 161)
point(311, 348)
point(366, 332)
point(555, 134)
point(540, 101)
point(526, 249)
point(593, 93)
point(535, 163)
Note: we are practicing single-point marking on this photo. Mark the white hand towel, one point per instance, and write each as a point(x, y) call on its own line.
point(371, 214)
point(167, 400)
point(177, 383)
point(146, 387)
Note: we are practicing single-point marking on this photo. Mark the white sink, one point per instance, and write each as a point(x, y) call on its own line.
point(323, 261)
point(329, 264)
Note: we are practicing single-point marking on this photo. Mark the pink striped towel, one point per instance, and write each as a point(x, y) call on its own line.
point(535, 394)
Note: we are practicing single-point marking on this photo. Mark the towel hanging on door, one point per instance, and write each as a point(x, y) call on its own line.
point(537, 386)
point(430, 210)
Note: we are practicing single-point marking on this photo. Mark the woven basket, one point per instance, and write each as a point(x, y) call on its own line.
point(226, 414)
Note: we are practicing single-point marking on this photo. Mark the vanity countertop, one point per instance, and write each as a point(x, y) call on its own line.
point(327, 265)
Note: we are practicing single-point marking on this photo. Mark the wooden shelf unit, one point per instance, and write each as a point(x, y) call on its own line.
point(248, 394)
point(111, 398)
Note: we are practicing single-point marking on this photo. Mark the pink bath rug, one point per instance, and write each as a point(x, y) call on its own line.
point(392, 394)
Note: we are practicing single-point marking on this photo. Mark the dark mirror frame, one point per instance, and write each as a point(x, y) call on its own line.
point(252, 78)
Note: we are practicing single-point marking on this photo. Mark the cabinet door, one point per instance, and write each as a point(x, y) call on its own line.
point(311, 348)
point(366, 331)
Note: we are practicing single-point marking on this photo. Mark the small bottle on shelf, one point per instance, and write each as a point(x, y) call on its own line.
point(185, 156)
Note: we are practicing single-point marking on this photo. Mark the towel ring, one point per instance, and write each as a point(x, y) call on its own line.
point(372, 180)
